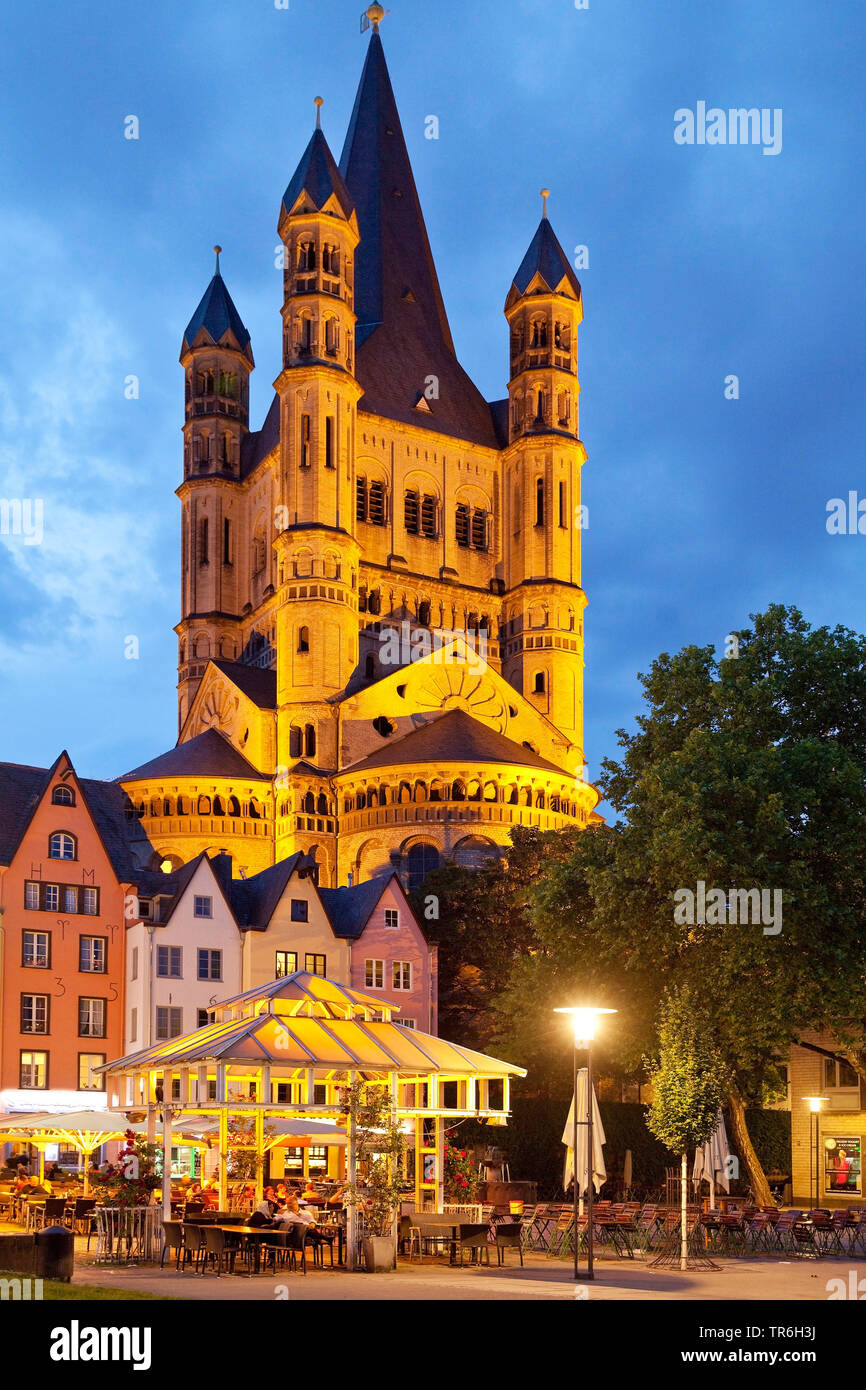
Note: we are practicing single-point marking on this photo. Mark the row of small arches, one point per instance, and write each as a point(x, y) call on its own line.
point(160, 807)
point(407, 793)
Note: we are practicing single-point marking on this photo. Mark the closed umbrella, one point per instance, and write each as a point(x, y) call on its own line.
point(711, 1161)
point(599, 1171)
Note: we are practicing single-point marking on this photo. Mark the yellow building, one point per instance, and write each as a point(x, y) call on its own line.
point(827, 1137)
point(381, 638)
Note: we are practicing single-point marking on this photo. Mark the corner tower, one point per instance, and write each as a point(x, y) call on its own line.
point(543, 628)
point(217, 358)
point(316, 547)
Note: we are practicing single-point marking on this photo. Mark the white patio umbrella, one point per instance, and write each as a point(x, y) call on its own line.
point(711, 1161)
point(599, 1171)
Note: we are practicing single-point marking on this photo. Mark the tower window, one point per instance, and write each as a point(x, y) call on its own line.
point(428, 516)
point(332, 337)
point(539, 502)
point(564, 407)
point(329, 441)
point(226, 442)
point(361, 499)
point(374, 601)
point(538, 685)
point(305, 440)
point(462, 523)
point(424, 613)
point(306, 333)
point(539, 414)
point(227, 542)
point(296, 742)
point(330, 260)
point(479, 529)
point(307, 255)
point(203, 552)
point(411, 513)
point(303, 639)
point(539, 334)
point(378, 510)
point(309, 741)
point(562, 520)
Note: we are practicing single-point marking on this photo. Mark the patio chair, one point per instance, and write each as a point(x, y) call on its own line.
point(473, 1237)
point(536, 1229)
point(509, 1237)
point(50, 1213)
point(193, 1246)
point(759, 1232)
point(81, 1215)
point(561, 1235)
point(218, 1250)
point(172, 1240)
point(296, 1244)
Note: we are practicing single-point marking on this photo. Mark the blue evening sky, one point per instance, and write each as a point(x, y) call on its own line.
point(704, 261)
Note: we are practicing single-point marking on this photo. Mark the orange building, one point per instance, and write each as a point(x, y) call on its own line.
point(66, 851)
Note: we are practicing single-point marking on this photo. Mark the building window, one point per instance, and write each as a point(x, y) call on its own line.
point(62, 846)
point(169, 1023)
point(315, 965)
point(90, 902)
point(205, 1019)
point(562, 513)
point(87, 1063)
point(378, 510)
point(93, 954)
point(210, 964)
point(303, 639)
point(538, 683)
point(202, 907)
point(227, 541)
point(402, 974)
point(411, 513)
point(539, 502)
point(52, 897)
point(309, 741)
point(361, 499)
point(392, 918)
point(305, 439)
point(203, 549)
point(31, 896)
point(462, 523)
point(479, 529)
point(406, 1022)
point(428, 516)
point(300, 910)
point(421, 860)
point(374, 974)
point(329, 441)
point(169, 964)
point(133, 1025)
point(63, 796)
point(91, 1018)
point(34, 1013)
point(36, 949)
point(70, 899)
point(286, 963)
point(33, 1071)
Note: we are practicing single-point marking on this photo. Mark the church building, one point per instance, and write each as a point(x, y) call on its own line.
point(381, 637)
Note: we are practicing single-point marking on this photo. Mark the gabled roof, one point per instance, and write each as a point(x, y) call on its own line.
point(256, 446)
point(454, 737)
point(349, 909)
point(317, 175)
point(258, 685)
point(208, 754)
point(217, 315)
point(546, 258)
point(254, 900)
point(21, 790)
point(402, 333)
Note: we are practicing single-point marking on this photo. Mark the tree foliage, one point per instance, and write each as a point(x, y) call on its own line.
point(689, 1077)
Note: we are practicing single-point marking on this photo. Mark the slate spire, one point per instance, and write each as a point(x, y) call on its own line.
point(546, 258)
point(216, 315)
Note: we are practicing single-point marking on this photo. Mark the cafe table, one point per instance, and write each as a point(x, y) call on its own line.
point(256, 1235)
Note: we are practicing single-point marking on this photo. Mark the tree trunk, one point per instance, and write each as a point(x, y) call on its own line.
point(684, 1235)
point(760, 1187)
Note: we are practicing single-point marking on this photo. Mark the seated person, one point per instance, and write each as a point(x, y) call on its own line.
point(282, 1192)
point(293, 1215)
point(262, 1216)
point(336, 1198)
point(311, 1193)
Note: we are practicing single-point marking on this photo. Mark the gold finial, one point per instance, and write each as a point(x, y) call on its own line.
point(374, 14)
point(217, 250)
point(545, 194)
point(318, 102)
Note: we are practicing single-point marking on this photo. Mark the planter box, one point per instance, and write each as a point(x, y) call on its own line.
point(18, 1253)
point(379, 1254)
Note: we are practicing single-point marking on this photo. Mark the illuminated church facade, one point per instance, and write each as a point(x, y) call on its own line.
point(381, 639)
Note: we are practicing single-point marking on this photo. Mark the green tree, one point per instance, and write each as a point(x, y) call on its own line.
point(746, 773)
point(690, 1081)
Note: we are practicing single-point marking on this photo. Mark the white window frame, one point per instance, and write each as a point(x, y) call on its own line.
point(97, 963)
point(209, 952)
point(392, 912)
point(97, 1016)
point(374, 974)
point(399, 970)
point(202, 906)
point(170, 974)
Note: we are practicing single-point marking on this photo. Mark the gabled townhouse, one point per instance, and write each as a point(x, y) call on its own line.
point(183, 951)
point(366, 936)
point(69, 855)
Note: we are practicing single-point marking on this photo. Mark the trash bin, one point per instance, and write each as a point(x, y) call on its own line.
point(55, 1249)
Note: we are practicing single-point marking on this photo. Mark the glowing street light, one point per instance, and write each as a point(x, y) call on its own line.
point(584, 1021)
point(815, 1103)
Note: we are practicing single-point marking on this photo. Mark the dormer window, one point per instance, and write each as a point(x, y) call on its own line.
point(63, 796)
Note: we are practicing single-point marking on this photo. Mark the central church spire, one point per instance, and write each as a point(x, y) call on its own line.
point(403, 336)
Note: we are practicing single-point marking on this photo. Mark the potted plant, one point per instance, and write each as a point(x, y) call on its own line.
point(380, 1144)
point(461, 1174)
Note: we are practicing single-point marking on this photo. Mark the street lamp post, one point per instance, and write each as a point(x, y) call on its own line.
point(815, 1103)
point(584, 1021)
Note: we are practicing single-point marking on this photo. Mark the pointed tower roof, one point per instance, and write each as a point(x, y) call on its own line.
point(319, 178)
point(217, 316)
point(546, 258)
point(403, 337)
